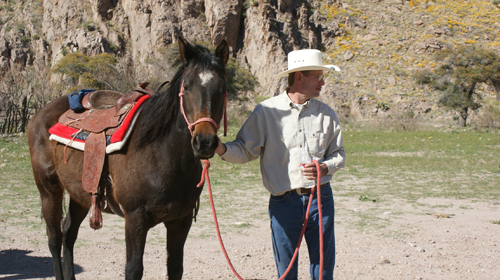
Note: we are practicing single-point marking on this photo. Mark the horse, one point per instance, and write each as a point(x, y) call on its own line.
point(153, 178)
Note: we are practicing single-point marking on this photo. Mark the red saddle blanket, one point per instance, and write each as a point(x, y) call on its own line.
point(75, 138)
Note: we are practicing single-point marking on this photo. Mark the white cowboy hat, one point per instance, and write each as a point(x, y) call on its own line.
point(305, 60)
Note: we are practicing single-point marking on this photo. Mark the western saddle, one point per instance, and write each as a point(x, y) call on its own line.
point(104, 112)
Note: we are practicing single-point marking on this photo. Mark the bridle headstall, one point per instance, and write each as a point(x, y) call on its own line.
point(210, 120)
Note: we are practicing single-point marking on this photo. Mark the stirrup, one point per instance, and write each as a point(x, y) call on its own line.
point(95, 212)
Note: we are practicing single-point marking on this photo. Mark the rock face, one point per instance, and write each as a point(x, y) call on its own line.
point(271, 30)
point(259, 32)
point(377, 44)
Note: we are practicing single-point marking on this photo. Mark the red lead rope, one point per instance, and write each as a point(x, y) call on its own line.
point(206, 165)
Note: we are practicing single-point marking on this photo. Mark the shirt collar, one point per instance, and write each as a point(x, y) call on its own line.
point(292, 105)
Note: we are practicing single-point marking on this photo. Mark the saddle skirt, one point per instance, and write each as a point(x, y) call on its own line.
point(73, 128)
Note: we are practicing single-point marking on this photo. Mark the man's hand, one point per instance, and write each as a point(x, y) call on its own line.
point(310, 172)
point(221, 148)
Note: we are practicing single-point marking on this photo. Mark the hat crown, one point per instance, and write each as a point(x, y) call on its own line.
point(303, 58)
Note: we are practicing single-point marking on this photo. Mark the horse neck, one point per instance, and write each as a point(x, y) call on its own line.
point(161, 122)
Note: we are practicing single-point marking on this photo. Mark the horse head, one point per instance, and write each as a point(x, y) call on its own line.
point(203, 94)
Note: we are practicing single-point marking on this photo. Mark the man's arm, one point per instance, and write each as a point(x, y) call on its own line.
point(248, 143)
point(335, 153)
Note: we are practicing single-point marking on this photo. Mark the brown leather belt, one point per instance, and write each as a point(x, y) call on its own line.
point(304, 191)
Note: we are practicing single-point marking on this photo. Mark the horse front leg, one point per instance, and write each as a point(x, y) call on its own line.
point(76, 214)
point(177, 232)
point(136, 231)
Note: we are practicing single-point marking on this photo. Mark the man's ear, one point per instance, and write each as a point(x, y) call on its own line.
point(298, 76)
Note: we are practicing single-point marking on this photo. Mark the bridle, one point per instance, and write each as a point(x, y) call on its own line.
point(206, 162)
point(210, 120)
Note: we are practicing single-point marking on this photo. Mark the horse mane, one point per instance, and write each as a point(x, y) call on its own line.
point(161, 110)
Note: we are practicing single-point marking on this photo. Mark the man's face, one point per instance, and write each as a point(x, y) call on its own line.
point(311, 85)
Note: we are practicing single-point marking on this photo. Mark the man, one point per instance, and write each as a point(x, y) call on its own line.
point(279, 131)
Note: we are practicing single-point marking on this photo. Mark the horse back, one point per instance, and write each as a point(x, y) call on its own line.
point(44, 119)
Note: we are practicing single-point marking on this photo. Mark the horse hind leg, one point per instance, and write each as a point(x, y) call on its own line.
point(51, 194)
point(51, 198)
point(71, 225)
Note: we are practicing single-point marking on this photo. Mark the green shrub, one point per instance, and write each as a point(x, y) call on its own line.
point(382, 105)
point(408, 114)
point(202, 17)
point(239, 79)
point(72, 65)
point(101, 71)
point(114, 48)
point(90, 26)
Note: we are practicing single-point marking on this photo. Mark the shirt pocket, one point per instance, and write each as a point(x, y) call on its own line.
point(317, 146)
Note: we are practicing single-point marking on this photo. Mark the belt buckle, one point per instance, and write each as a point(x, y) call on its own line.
point(306, 191)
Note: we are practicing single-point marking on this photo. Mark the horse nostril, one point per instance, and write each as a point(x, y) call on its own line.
point(196, 142)
point(215, 142)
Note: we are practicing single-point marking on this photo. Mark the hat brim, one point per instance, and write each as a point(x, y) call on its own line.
point(308, 68)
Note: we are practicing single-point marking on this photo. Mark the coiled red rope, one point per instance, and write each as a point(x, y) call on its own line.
point(206, 166)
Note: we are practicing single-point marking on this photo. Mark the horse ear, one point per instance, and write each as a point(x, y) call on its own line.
point(185, 50)
point(222, 51)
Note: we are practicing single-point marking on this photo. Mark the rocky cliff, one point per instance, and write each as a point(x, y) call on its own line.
point(376, 43)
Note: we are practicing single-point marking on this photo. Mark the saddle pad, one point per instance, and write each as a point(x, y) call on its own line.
point(66, 135)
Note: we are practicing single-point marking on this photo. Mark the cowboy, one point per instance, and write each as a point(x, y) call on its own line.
point(281, 131)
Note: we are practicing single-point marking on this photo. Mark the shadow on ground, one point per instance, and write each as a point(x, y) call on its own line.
point(17, 264)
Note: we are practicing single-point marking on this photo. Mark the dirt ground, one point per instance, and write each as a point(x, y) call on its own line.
point(403, 242)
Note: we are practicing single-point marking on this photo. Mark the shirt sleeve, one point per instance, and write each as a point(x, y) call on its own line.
point(335, 153)
point(249, 141)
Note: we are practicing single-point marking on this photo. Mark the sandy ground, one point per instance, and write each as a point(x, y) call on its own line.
point(402, 242)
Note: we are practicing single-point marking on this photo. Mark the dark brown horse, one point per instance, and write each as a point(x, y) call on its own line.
point(153, 178)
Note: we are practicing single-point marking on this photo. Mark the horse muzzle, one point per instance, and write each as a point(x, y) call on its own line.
point(204, 145)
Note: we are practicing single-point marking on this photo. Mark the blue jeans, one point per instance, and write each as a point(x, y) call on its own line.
point(287, 213)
